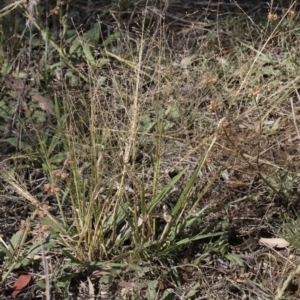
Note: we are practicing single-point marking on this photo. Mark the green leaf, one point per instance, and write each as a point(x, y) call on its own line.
point(5, 251)
point(6, 67)
point(72, 79)
point(151, 290)
point(54, 227)
point(270, 70)
point(192, 292)
point(121, 217)
point(106, 279)
point(167, 295)
point(146, 123)
point(46, 35)
point(54, 142)
point(235, 259)
point(174, 112)
point(88, 54)
point(111, 38)
point(102, 62)
point(25, 262)
point(54, 66)
point(273, 128)
point(173, 247)
point(134, 267)
point(39, 116)
point(3, 104)
point(76, 43)
point(70, 35)
point(93, 35)
point(22, 75)
point(167, 124)
point(17, 238)
point(37, 246)
point(41, 284)
point(58, 158)
point(17, 265)
point(18, 144)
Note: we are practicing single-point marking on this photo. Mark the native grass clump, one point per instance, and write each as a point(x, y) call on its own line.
point(126, 148)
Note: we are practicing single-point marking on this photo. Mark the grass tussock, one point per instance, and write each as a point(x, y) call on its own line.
point(144, 147)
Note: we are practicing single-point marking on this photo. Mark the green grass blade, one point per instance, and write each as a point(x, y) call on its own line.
point(165, 190)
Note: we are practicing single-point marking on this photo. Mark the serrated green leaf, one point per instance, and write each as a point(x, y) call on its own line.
point(17, 238)
point(93, 35)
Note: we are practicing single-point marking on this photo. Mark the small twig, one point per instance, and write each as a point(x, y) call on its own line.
point(293, 111)
point(286, 283)
point(45, 264)
point(129, 63)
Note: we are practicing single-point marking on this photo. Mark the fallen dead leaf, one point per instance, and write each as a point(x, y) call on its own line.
point(236, 183)
point(274, 242)
point(16, 84)
point(209, 80)
point(91, 289)
point(126, 284)
point(38, 258)
point(186, 61)
point(297, 271)
point(44, 102)
point(126, 293)
point(54, 11)
point(20, 283)
point(98, 274)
